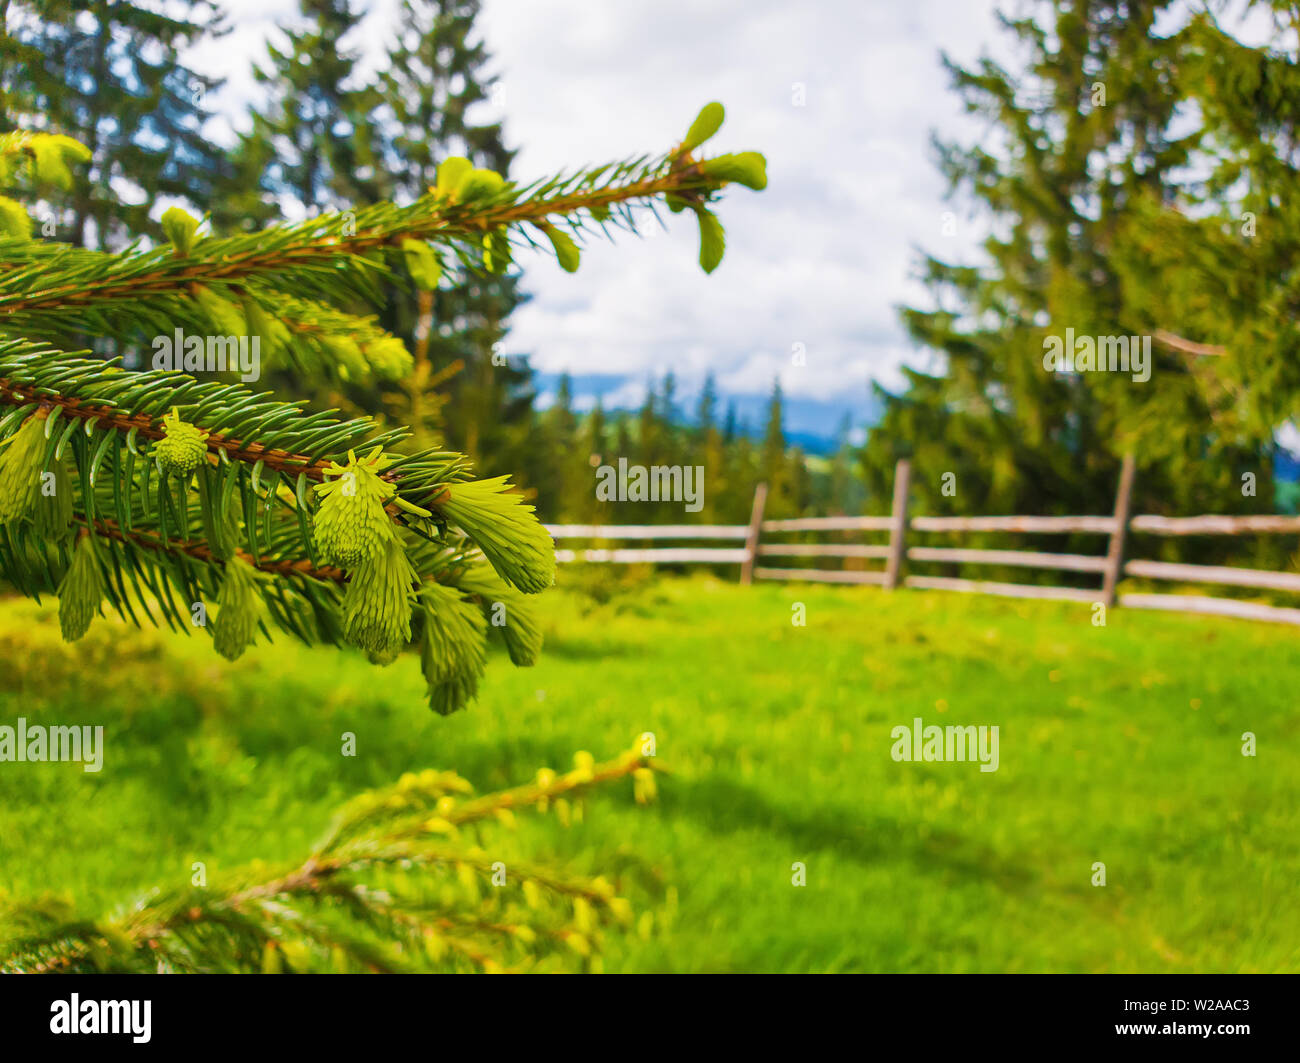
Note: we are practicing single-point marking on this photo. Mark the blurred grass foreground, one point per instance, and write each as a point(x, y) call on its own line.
point(786, 837)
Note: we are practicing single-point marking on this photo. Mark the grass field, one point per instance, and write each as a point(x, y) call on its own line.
point(1120, 744)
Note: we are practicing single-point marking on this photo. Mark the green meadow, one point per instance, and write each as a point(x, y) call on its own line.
point(1119, 745)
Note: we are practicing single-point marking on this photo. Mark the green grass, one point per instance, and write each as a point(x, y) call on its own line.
point(1119, 744)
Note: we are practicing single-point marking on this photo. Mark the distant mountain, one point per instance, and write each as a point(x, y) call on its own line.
point(1286, 466)
point(809, 423)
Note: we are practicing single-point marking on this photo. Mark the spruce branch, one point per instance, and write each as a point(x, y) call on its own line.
point(397, 883)
point(302, 259)
point(158, 495)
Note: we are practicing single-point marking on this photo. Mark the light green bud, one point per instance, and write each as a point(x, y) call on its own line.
point(81, 591)
point(52, 511)
point(20, 468)
point(238, 609)
point(351, 524)
point(706, 123)
point(452, 649)
point(378, 599)
point(478, 183)
point(183, 448)
point(713, 240)
point(747, 168)
point(505, 529)
point(179, 226)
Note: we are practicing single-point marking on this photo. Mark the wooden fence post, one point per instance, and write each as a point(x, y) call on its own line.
point(751, 540)
point(898, 525)
point(1115, 553)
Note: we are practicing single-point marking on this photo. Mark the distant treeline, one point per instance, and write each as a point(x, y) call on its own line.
point(568, 450)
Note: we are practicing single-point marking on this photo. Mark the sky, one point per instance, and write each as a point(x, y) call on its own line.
point(840, 95)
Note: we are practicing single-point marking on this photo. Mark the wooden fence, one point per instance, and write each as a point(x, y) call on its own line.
point(755, 554)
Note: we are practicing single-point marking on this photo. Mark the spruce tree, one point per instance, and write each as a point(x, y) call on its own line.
point(109, 76)
point(592, 451)
point(312, 145)
point(329, 140)
point(1215, 262)
point(569, 478)
point(773, 467)
point(1092, 133)
point(430, 97)
point(712, 455)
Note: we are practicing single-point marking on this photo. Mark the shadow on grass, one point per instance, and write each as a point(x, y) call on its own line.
point(723, 806)
point(587, 649)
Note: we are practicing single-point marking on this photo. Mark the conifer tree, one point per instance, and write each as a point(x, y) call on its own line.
point(430, 100)
point(706, 410)
point(109, 76)
point(568, 475)
point(163, 496)
point(772, 462)
point(1216, 261)
point(1092, 135)
point(844, 494)
point(591, 452)
point(729, 429)
point(312, 145)
point(712, 455)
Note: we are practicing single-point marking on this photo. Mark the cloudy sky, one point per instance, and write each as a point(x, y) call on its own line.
point(841, 96)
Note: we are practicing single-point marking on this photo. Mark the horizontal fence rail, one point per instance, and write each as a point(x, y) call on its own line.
point(1214, 525)
point(1234, 577)
point(820, 550)
point(1024, 558)
point(665, 556)
point(646, 531)
point(1110, 565)
point(1045, 525)
point(1187, 603)
point(828, 524)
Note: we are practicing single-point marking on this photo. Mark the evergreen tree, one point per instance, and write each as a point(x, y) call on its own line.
point(773, 466)
point(591, 453)
point(1214, 263)
point(108, 75)
point(707, 410)
point(435, 82)
point(1092, 134)
point(568, 475)
point(312, 145)
point(744, 471)
point(668, 399)
point(711, 453)
point(843, 495)
point(328, 140)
